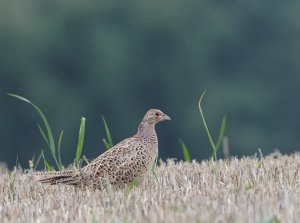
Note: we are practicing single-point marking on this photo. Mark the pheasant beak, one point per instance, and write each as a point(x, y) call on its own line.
point(165, 117)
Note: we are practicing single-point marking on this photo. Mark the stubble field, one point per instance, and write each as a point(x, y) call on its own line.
point(235, 190)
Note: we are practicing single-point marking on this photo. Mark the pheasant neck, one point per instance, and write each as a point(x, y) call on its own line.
point(147, 131)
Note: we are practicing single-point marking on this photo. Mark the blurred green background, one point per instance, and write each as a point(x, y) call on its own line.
point(120, 58)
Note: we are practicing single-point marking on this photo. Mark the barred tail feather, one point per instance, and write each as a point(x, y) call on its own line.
point(59, 177)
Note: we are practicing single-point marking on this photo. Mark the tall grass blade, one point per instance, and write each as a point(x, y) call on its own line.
point(58, 148)
point(186, 153)
point(85, 159)
point(49, 137)
point(222, 131)
point(43, 135)
point(47, 165)
point(214, 155)
point(80, 140)
point(38, 160)
point(49, 132)
point(108, 143)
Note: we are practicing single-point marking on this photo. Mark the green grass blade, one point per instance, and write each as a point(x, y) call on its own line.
point(43, 135)
point(38, 160)
point(186, 153)
point(133, 184)
point(49, 132)
point(206, 128)
point(80, 140)
point(85, 159)
point(106, 145)
point(107, 132)
point(50, 139)
point(221, 133)
point(58, 148)
point(47, 165)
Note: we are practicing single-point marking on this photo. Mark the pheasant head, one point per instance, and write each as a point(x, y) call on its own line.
point(154, 116)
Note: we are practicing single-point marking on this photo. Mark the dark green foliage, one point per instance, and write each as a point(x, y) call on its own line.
point(111, 57)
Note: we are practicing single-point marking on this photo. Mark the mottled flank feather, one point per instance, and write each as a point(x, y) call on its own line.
point(127, 161)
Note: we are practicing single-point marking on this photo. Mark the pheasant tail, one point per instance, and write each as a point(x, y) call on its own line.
point(59, 177)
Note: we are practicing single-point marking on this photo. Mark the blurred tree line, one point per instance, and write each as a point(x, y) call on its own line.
point(120, 58)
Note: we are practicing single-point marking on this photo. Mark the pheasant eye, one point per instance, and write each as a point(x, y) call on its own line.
point(157, 114)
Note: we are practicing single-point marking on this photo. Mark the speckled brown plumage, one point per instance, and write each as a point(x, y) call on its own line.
point(127, 161)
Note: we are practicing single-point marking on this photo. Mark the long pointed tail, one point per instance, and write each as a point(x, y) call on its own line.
point(71, 177)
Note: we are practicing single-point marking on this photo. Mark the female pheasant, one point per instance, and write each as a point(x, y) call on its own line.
point(127, 161)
